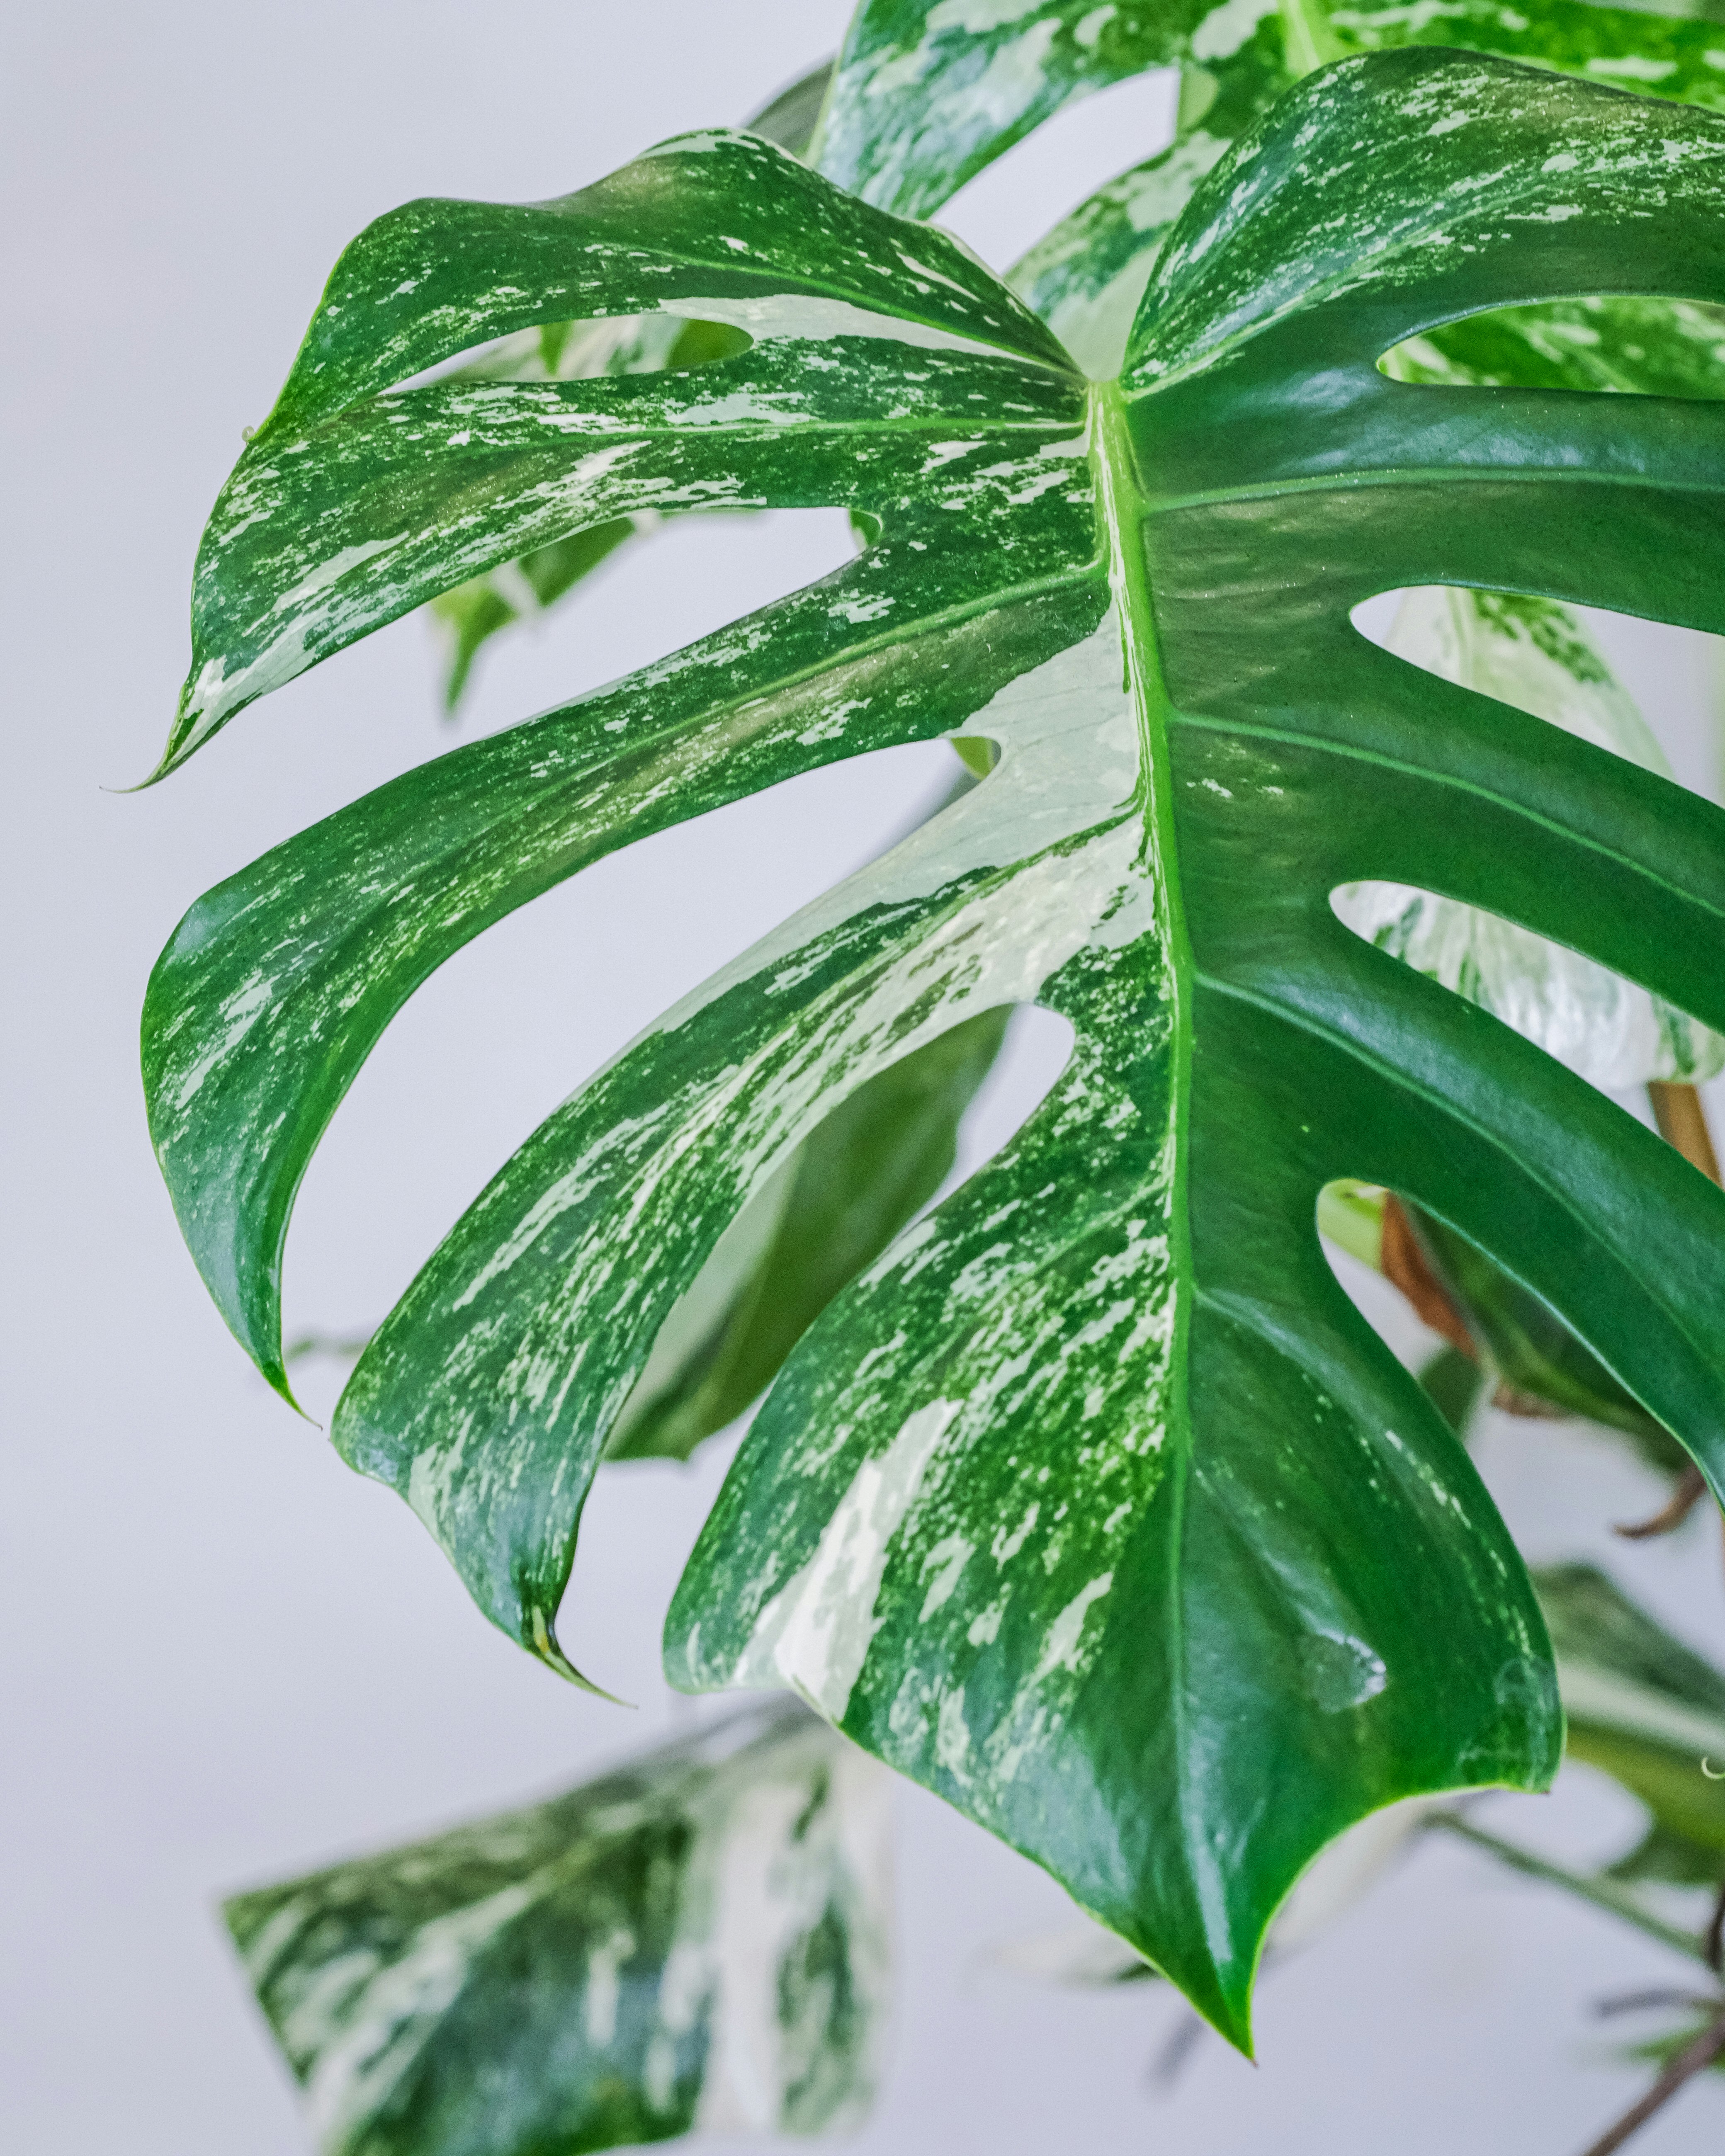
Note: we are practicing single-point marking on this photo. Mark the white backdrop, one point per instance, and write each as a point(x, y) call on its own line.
point(224, 1657)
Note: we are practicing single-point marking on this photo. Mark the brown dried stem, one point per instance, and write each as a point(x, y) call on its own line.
point(1695, 2058)
point(1690, 1488)
point(1683, 1123)
point(1405, 1264)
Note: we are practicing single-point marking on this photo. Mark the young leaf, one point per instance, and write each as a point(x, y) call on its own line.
point(1093, 1504)
point(697, 1942)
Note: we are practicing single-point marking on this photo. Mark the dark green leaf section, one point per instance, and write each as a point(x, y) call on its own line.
point(1091, 1503)
point(696, 1942)
point(1647, 1711)
point(833, 1208)
point(1454, 1384)
point(1532, 1351)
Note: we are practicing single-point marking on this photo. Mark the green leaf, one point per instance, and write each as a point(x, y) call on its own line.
point(924, 97)
point(1532, 1351)
point(1628, 344)
point(791, 118)
point(342, 516)
point(926, 93)
point(1455, 1384)
point(1647, 1711)
point(1093, 1504)
point(1542, 660)
point(474, 612)
point(697, 1942)
point(1524, 1346)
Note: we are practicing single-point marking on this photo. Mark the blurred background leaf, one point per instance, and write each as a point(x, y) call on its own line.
point(831, 1210)
point(1649, 1711)
point(698, 1940)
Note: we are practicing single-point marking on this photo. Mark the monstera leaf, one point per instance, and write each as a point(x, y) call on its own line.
point(925, 96)
point(474, 612)
point(696, 1942)
point(927, 93)
point(1536, 655)
point(1092, 1504)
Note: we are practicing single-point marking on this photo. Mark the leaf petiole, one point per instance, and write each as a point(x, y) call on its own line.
point(1602, 1893)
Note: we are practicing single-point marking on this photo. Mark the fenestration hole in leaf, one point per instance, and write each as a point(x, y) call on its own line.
point(1608, 1029)
point(1617, 343)
point(1542, 658)
point(895, 1148)
point(573, 351)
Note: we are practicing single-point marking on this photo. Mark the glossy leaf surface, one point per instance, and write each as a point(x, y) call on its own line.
point(1542, 659)
point(1093, 1504)
point(926, 93)
point(478, 610)
point(698, 1942)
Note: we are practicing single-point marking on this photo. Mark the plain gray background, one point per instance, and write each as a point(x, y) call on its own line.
point(226, 1658)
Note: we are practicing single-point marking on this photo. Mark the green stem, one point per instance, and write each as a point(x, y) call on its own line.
point(1308, 40)
point(1602, 1894)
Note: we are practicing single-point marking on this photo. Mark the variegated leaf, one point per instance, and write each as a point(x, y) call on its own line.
point(697, 1942)
point(926, 93)
point(1093, 1504)
point(1640, 1705)
point(474, 612)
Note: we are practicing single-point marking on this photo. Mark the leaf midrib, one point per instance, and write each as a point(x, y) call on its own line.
point(1121, 507)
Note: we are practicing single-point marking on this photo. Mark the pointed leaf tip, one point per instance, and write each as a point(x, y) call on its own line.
point(542, 1642)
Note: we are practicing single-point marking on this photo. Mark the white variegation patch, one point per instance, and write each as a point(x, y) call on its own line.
point(814, 1636)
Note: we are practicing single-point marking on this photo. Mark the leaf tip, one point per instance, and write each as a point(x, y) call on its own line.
point(542, 1642)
